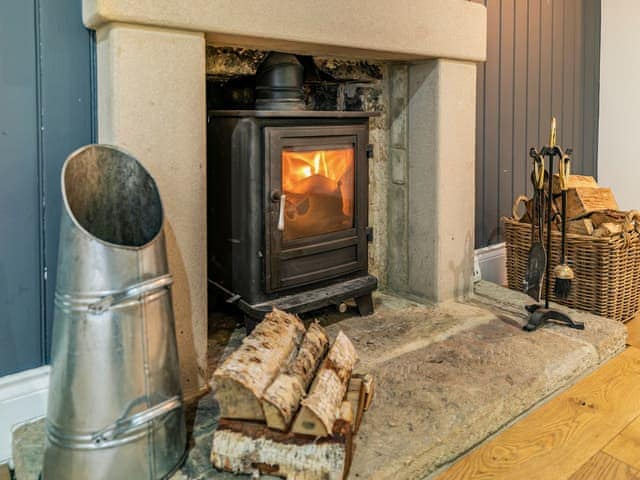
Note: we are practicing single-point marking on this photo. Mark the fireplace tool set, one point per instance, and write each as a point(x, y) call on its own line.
point(539, 260)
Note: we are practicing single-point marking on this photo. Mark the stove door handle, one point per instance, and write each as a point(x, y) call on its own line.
point(281, 213)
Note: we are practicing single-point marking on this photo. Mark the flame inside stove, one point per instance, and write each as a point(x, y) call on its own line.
point(319, 187)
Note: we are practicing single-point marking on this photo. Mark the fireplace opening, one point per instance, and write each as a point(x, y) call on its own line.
point(288, 198)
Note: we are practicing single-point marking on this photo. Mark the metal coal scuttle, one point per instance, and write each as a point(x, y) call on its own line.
point(115, 401)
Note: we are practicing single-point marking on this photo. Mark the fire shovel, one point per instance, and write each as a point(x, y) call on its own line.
point(537, 258)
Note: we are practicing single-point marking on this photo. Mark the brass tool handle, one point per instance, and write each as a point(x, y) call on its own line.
point(564, 170)
point(538, 169)
point(552, 136)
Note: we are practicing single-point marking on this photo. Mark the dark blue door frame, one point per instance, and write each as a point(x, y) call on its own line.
point(47, 110)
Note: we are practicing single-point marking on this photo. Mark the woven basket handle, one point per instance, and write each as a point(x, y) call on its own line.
point(633, 217)
point(521, 199)
point(632, 221)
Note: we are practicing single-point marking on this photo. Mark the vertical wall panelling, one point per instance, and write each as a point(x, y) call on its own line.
point(540, 62)
point(479, 166)
point(20, 287)
point(491, 122)
point(67, 117)
point(46, 111)
point(578, 86)
point(545, 92)
point(556, 81)
point(505, 100)
point(532, 91)
point(591, 82)
point(519, 95)
point(568, 77)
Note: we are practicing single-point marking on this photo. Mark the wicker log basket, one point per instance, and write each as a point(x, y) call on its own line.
point(607, 270)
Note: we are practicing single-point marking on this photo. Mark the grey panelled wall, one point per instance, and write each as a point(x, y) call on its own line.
point(543, 59)
point(20, 279)
point(47, 109)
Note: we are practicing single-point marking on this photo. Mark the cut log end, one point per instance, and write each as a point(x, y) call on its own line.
point(582, 201)
point(308, 423)
point(573, 181)
point(236, 401)
point(346, 412)
point(582, 226)
point(281, 400)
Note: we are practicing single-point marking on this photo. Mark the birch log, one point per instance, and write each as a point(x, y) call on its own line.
point(243, 377)
point(281, 400)
point(320, 409)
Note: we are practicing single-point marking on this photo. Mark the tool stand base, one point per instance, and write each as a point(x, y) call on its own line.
point(540, 315)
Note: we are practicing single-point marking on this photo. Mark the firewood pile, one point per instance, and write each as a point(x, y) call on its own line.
point(289, 402)
point(591, 210)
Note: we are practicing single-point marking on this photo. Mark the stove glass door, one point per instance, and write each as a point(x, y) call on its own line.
point(319, 191)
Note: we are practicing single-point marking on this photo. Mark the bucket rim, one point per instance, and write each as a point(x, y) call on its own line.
point(75, 221)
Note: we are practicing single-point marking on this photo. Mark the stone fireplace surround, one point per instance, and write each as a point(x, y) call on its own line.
point(151, 101)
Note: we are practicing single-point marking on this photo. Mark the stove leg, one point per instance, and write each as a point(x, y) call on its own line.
point(249, 323)
point(365, 305)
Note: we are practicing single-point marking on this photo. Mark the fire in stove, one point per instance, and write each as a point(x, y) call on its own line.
point(319, 189)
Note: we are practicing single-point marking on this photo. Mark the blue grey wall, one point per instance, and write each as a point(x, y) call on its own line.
point(47, 109)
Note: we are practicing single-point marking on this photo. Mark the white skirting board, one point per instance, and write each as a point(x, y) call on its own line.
point(491, 263)
point(23, 397)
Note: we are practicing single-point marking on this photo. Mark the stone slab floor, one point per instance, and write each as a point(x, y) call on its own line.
point(448, 377)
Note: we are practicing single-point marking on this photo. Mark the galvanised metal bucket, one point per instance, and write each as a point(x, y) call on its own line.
point(115, 402)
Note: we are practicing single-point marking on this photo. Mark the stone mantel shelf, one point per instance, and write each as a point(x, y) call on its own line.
point(292, 113)
point(379, 29)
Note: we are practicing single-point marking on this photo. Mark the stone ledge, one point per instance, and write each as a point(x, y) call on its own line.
point(415, 29)
point(606, 336)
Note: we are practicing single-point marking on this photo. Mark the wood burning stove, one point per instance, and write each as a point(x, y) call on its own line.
point(288, 200)
point(287, 203)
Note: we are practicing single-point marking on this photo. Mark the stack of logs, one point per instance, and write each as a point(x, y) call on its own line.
point(289, 404)
point(591, 210)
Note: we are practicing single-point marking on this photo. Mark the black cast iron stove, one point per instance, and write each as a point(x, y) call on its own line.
point(288, 200)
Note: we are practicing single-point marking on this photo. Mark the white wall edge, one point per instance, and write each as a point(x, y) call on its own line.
point(23, 397)
point(492, 263)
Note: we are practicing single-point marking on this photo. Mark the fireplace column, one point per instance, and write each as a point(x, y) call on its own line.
point(438, 198)
point(151, 101)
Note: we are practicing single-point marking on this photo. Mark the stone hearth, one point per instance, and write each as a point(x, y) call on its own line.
point(447, 375)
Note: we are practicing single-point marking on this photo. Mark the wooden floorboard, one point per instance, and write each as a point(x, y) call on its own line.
point(556, 440)
point(633, 328)
point(626, 445)
point(4, 472)
point(604, 467)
